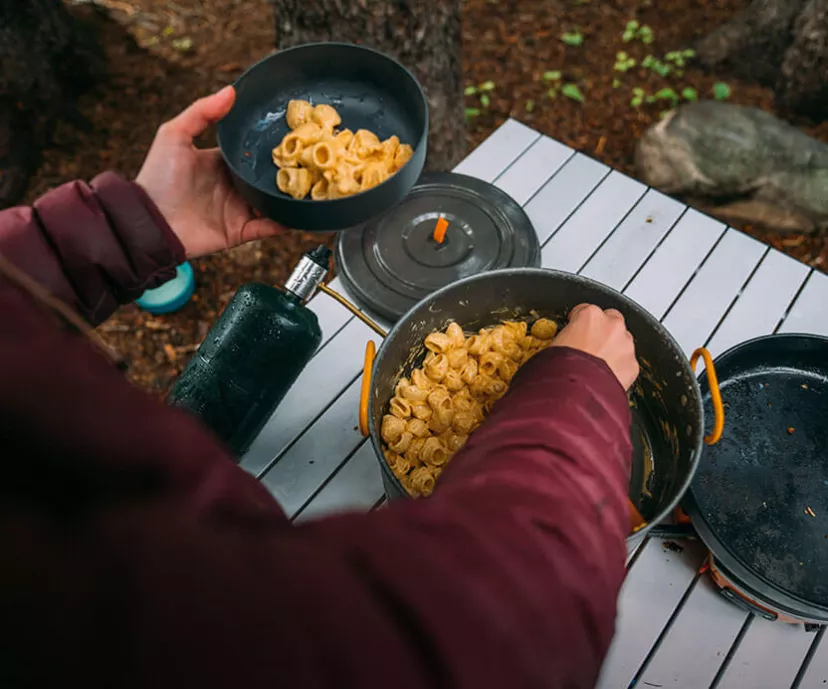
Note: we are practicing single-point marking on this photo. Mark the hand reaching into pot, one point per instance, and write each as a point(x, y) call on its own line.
point(604, 335)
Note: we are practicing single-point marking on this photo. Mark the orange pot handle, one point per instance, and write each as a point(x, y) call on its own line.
point(715, 394)
point(365, 392)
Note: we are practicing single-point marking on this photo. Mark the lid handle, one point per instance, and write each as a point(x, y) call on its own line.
point(440, 230)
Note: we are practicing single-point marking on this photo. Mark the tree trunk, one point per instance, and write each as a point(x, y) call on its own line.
point(46, 60)
point(802, 86)
point(782, 44)
point(424, 35)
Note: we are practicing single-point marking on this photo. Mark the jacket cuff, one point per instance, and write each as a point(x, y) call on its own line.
point(170, 236)
point(148, 241)
point(549, 361)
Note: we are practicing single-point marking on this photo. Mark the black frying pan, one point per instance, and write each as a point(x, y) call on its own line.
point(759, 500)
point(368, 89)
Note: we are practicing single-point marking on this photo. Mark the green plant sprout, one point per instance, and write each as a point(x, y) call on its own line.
point(616, 83)
point(553, 77)
point(645, 35)
point(573, 92)
point(482, 88)
point(573, 38)
point(721, 91)
point(679, 57)
point(635, 30)
point(651, 62)
point(623, 62)
point(638, 97)
point(664, 94)
point(482, 92)
point(530, 105)
point(689, 93)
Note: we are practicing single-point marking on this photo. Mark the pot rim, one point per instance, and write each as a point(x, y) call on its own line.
point(632, 305)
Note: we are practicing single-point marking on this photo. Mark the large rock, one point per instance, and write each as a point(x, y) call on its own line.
point(782, 44)
point(752, 45)
point(740, 164)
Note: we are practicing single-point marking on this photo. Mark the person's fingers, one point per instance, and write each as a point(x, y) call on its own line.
point(195, 120)
point(614, 314)
point(260, 229)
point(578, 309)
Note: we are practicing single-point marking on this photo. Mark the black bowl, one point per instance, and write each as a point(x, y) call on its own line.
point(368, 89)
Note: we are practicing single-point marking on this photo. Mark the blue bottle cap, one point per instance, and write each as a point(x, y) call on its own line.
point(172, 295)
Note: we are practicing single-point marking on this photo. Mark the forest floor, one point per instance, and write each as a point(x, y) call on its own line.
point(527, 55)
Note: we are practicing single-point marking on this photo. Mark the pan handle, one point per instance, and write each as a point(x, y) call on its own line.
point(715, 394)
point(365, 392)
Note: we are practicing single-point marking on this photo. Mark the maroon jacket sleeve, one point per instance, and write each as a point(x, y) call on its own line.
point(137, 554)
point(94, 246)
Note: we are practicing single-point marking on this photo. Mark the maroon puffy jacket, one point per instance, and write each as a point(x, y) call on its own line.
point(137, 554)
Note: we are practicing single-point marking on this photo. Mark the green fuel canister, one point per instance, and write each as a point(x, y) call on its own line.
point(253, 354)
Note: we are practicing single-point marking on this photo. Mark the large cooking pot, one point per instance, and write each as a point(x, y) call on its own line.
point(667, 430)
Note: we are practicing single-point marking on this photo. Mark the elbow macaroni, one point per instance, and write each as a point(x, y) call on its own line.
point(314, 158)
point(441, 403)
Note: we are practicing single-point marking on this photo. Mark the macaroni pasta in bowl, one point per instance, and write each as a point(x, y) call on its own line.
point(316, 158)
point(437, 407)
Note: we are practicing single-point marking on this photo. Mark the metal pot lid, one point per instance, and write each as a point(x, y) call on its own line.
point(391, 263)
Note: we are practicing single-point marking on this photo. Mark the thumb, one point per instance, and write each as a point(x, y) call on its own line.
point(195, 120)
point(260, 228)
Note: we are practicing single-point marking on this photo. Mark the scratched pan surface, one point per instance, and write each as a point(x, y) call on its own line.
point(759, 500)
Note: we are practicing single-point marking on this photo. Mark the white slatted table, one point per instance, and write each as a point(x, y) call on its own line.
point(710, 285)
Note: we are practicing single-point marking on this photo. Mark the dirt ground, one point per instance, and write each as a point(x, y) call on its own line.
point(163, 54)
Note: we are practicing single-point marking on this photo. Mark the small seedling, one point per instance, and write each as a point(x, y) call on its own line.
point(689, 93)
point(679, 57)
point(651, 62)
point(638, 97)
point(553, 78)
point(482, 92)
point(616, 83)
point(573, 92)
point(530, 105)
point(623, 62)
point(630, 31)
point(634, 30)
point(573, 38)
point(667, 94)
point(721, 91)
